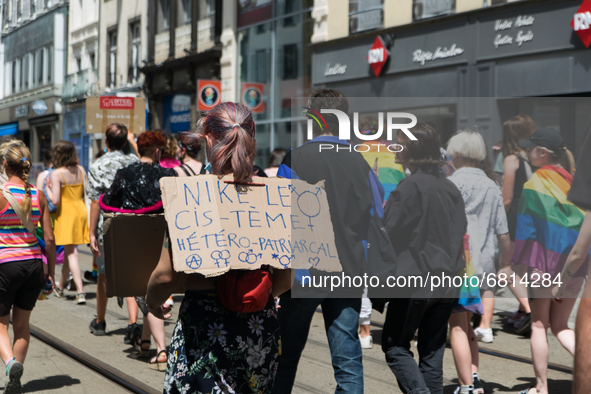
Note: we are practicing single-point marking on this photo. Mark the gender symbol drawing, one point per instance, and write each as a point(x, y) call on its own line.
point(249, 257)
point(284, 260)
point(194, 261)
point(312, 209)
point(220, 256)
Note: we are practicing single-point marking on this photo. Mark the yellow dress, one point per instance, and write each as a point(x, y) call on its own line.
point(71, 222)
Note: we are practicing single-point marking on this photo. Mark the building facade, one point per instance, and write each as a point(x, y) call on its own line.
point(34, 54)
point(266, 60)
point(122, 44)
point(183, 48)
point(82, 77)
point(515, 52)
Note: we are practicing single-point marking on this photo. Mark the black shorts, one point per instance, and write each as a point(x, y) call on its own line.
point(20, 284)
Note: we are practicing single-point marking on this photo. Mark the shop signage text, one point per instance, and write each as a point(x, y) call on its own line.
point(581, 23)
point(21, 111)
point(377, 56)
point(114, 102)
point(420, 56)
point(336, 69)
point(522, 37)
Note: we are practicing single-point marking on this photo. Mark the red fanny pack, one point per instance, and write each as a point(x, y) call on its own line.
point(245, 291)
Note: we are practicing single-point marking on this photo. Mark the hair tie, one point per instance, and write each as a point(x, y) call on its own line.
point(24, 159)
point(235, 124)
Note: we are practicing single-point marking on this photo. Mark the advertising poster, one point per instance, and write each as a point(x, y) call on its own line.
point(104, 110)
point(209, 94)
point(252, 95)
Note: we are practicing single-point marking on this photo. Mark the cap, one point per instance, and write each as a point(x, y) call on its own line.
point(547, 138)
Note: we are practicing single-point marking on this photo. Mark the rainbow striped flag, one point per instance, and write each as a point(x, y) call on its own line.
point(389, 173)
point(547, 223)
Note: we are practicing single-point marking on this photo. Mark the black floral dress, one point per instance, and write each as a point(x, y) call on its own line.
point(215, 350)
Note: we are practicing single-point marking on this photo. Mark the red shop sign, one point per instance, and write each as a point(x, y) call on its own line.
point(114, 102)
point(581, 23)
point(377, 56)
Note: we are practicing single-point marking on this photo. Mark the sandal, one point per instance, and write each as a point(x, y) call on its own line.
point(139, 345)
point(159, 365)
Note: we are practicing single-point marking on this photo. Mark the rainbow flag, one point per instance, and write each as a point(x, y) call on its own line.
point(389, 173)
point(547, 223)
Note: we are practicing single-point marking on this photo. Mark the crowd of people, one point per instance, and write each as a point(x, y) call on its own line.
point(451, 214)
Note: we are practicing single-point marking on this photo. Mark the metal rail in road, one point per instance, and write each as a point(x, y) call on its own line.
point(115, 375)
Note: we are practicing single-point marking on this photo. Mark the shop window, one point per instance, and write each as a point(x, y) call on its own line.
point(163, 15)
point(136, 52)
point(185, 10)
point(50, 64)
point(290, 61)
point(112, 60)
point(422, 9)
point(365, 15)
point(261, 65)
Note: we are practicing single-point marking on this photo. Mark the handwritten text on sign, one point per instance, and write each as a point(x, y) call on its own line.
point(216, 226)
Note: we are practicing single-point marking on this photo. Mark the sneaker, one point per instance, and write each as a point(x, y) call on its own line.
point(133, 332)
point(98, 329)
point(523, 326)
point(367, 342)
point(469, 390)
point(484, 335)
point(80, 299)
point(516, 316)
point(70, 283)
point(478, 388)
point(90, 277)
point(14, 371)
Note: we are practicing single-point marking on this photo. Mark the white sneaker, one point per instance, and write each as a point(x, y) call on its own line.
point(484, 335)
point(367, 342)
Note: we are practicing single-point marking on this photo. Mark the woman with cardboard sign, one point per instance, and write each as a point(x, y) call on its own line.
point(226, 348)
point(135, 190)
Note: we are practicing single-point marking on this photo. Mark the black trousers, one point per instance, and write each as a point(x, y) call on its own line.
point(403, 318)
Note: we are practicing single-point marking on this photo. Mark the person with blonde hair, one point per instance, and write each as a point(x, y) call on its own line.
point(22, 207)
point(66, 191)
point(486, 218)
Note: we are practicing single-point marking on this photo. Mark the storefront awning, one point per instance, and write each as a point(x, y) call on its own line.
point(8, 129)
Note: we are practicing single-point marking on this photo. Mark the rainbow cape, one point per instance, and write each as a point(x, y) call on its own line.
point(389, 173)
point(547, 223)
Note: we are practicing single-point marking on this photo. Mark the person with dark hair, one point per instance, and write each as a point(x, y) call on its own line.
point(136, 189)
point(188, 148)
point(100, 177)
point(66, 191)
point(516, 171)
point(275, 160)
point(547, 228)
point(352, 191)
point(426, 222)
point(21, 268)
point(228, 132)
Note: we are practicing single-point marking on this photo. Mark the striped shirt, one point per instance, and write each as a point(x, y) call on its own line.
point(16, 242)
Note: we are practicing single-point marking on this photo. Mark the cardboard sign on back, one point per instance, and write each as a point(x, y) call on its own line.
point(216, 226)
point(104, 110)
point(133, 244)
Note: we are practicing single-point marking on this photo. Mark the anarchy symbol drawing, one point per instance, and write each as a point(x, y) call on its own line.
point(194, 261)
point(309, 204)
